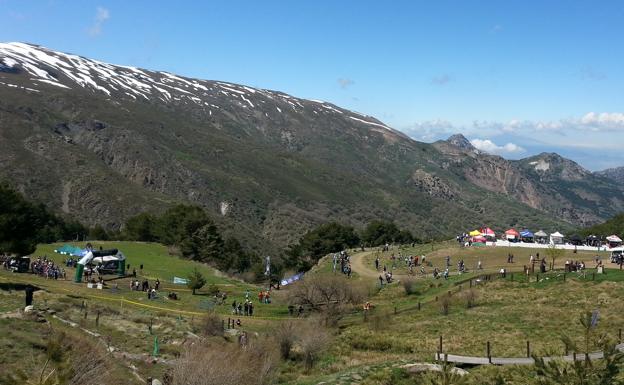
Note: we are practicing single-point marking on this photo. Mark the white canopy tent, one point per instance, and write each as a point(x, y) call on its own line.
point(556, 238)
point(614, 241)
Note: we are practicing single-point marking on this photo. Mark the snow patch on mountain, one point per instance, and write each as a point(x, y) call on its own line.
point(45, 67)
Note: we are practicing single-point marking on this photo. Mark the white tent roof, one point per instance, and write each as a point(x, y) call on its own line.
point(556, 234)
point(614, 238)
point(540, 234)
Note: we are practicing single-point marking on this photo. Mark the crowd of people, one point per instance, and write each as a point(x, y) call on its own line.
point(152, 291)
point(46, 268)
point(246, 307)
point(344, 260)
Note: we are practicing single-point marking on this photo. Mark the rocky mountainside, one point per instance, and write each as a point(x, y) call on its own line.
point(103, 142)
point(545, 182)
point(615, 174)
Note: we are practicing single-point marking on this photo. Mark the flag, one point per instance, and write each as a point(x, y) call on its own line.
point(267, 269)
point(155, 352)
point(594, 319)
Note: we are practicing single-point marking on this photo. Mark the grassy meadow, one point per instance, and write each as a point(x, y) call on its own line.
point(401, 328)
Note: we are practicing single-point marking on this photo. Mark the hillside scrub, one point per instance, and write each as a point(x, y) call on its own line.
point(224, 363)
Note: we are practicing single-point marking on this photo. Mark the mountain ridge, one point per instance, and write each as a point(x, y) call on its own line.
point(264, 163)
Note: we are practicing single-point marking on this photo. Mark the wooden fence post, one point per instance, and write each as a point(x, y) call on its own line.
point(97, 319)
point(489, 355)
point(511, 277)
point(620, 335)
point(528, 349)
point(471, 283)
point(223, 324)
point(564, 277)
point(419, 309)
point(593, 276)
point(440, 345)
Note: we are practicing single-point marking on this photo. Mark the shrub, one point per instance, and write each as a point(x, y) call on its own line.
point(286, 336)
point(223, 364)
point(212, 325)
point(379, 319)
point(313, 342)
point(470, 296)
point(409, 285)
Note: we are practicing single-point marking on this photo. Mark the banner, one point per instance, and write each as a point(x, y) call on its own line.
point(289, 280)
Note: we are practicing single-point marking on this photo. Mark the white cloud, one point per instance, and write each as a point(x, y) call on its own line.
point(430, 130)
point(490, 147)
point(102, 14)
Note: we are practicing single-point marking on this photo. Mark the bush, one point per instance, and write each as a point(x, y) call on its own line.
point(212, 325)
point(213, 289)
point(379, 319)
point(286, 336)
point(409, 285)
point(223, 364)
point(313, 342)
point(470, 296)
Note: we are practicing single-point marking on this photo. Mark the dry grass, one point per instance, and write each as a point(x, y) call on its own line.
point(224, 364)
point(508, 315)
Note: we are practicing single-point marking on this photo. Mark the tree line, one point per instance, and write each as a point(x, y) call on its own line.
point(23, 224)
point(188, 228)
point(333, 237)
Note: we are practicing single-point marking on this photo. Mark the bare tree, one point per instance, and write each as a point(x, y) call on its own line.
point(329, 295)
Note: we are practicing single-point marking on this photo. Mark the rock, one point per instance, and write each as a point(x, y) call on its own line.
point(418, 368)
point(29, 309)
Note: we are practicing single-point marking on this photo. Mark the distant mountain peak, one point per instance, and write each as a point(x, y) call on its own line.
point(616, 174)
point(461, 141)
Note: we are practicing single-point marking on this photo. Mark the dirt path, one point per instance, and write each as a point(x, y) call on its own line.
point(359, 266)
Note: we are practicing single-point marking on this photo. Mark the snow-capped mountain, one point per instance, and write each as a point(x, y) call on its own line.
point(103, 142)
point(45, 67)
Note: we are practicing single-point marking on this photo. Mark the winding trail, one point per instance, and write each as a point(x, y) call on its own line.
point(359, 266)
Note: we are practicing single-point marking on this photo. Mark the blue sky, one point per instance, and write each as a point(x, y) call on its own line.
point(516, 77)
